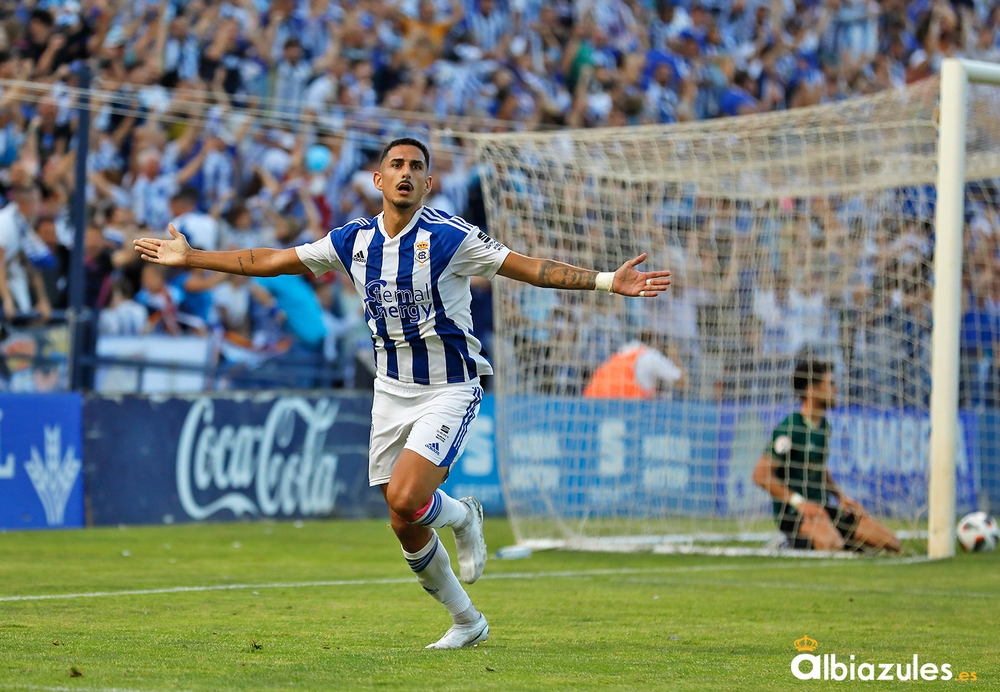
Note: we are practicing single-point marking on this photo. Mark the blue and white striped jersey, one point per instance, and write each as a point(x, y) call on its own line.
point(416, 291)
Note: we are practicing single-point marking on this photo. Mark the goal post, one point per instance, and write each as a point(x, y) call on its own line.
point(949, 222)
point(834, 233)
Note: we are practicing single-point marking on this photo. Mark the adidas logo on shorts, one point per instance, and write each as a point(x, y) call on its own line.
point(359, 256)
point(433, 446)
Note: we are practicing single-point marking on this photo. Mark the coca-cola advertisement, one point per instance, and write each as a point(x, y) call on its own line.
point(223, 457)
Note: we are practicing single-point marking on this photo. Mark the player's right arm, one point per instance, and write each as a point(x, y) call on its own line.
point(176, 252)
point(764, 476)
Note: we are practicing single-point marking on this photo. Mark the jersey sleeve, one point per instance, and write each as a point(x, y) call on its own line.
point(479, 255)
point(319, 256)
point(781, 440)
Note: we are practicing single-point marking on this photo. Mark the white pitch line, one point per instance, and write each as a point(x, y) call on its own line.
point(566, 574)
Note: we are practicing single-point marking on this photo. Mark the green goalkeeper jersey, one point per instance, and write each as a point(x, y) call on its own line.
point(799, 450)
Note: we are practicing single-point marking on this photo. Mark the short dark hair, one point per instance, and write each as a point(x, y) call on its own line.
point(406, 141)
point(188, 193)
point(44, 16)
point(808, 372)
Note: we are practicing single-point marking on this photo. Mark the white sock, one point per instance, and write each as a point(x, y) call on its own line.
point(442, 510)
point(432, 566)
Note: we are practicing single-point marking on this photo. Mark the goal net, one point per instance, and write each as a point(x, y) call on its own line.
point(801, 234)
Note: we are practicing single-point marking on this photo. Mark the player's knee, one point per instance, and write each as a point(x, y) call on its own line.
point(828, 540)
point(405, 502)
point(400, 526)
point(832, 541)
point(825, 543)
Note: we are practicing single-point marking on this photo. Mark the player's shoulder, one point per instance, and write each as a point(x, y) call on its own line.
point(787, 423)
point(442, 222)
point(352, 226)
point(343, 237)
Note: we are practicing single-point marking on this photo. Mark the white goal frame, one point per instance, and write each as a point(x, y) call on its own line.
point(949, 211)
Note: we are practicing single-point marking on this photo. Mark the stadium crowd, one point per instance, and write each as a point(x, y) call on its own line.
point(257, 122)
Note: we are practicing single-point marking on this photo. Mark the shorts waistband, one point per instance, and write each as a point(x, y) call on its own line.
point(411, 387)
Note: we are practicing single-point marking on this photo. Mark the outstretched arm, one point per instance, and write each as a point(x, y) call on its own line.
point(545, 273)
point(255, 262)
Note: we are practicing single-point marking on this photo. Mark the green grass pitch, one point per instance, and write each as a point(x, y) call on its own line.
point(559, 620)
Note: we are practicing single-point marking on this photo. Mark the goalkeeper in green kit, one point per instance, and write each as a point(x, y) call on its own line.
point(808, 506)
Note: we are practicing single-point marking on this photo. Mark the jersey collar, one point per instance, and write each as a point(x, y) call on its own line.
point(406, 228)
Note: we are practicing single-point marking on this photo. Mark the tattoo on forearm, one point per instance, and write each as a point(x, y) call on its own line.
point(553, 274)
point(251, 257)
point(241, 265)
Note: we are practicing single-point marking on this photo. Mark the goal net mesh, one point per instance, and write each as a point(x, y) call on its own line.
point(806, 233)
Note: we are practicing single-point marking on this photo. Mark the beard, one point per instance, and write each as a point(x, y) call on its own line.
point(401, 203)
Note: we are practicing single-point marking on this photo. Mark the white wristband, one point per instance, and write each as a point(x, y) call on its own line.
point(604, 281)
point(795, 500)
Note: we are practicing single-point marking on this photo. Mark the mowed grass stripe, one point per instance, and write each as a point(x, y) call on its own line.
point(565, 574)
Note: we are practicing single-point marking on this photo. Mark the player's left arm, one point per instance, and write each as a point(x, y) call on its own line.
point(546, 273)
point(847, 503)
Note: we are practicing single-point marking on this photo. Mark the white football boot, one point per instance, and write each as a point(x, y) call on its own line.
point(459, 636)
point(470, 543)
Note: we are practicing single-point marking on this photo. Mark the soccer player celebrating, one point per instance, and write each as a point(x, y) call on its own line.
point(411, 264)
point(795, 474)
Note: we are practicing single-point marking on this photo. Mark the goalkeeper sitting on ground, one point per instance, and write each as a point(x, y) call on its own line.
point(808, 506)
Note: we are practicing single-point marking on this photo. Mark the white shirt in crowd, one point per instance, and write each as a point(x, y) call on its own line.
point(652, 366)
point(13, 235)
point(201, 230)
point(128, 318)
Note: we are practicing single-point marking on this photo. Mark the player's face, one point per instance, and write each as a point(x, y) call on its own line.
point(403, 177)
point(825, 393)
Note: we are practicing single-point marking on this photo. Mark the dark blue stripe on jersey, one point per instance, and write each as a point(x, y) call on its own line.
point(373, 272)
point(411, 330)
point(470, 414)
point(444, 245)
point(343, 240)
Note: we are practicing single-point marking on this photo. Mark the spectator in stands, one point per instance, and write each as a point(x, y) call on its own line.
point(201, 230)
point(636, 371)
point(154, 187)
point(737, 99)
point(292, 76)
point(161, 300)
point(98, 268)
point(56, 274)
point(424, 36)
point(296, 299)
point(21, 286)
point(123, 316)
point(173, 82)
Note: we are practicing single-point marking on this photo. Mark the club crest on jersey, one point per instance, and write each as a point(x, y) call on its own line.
point(423, 253)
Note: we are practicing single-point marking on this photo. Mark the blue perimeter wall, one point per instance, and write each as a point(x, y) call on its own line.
point(219, 457)
point(41, 484)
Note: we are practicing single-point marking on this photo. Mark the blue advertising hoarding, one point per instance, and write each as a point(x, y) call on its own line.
point(219, 457)
point(576, 458)
point(40, 461)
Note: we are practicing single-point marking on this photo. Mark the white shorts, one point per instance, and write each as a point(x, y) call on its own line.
point(433, 421)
